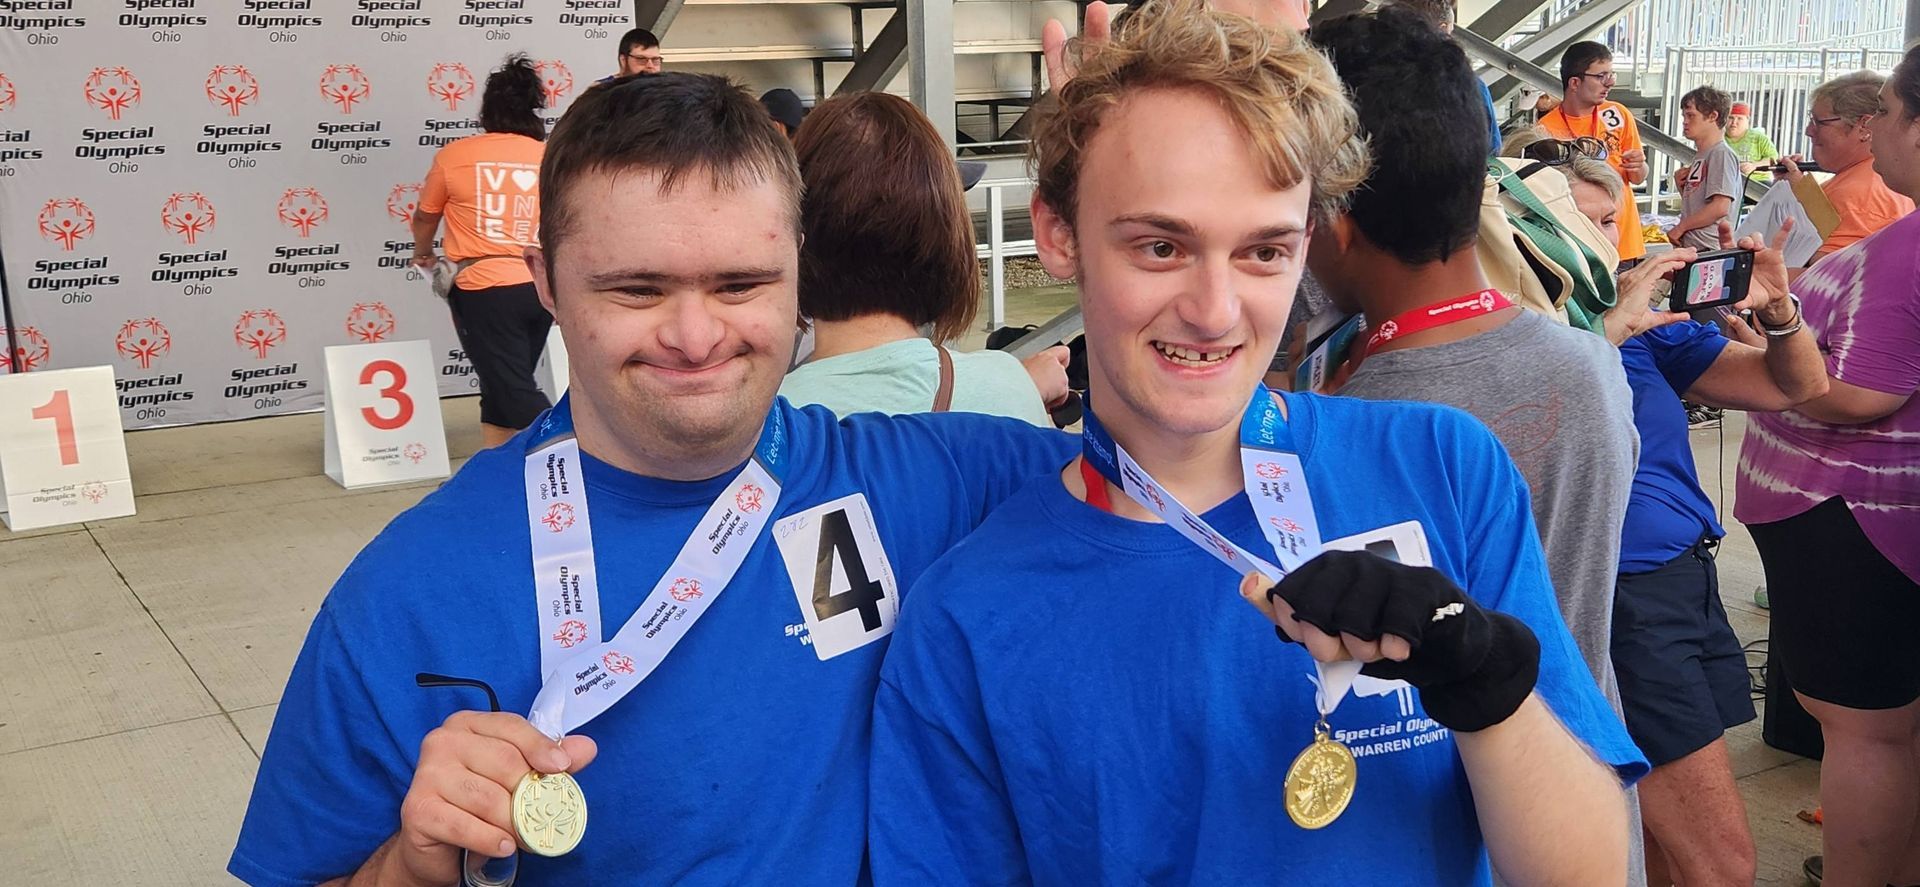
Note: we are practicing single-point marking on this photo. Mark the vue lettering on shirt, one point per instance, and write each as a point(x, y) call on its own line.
point(741, 760)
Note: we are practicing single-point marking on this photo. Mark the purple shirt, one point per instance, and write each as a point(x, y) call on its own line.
point(1863, 306)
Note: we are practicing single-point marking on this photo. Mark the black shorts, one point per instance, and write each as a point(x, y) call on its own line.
point(504, 330)
point(1683, 677)
point(1845, 618)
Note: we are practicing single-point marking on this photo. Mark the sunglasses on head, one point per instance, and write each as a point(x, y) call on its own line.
point(1557, 152)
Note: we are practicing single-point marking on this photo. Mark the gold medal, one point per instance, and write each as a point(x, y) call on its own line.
point(549, 813)
point(1320, 782)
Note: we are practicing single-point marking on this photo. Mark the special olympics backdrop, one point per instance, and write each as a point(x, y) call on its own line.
point(203, 194)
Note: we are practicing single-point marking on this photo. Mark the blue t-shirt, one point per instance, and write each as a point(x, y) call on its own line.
point(1669, 511)
point(741, 760)
point(1077, 698)
point(1493, 116)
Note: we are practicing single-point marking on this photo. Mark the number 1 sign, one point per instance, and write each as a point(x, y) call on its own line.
point(383, 415)
point(63, 458)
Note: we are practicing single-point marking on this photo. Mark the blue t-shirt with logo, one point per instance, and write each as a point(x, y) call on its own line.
point(741, 760)
point(1668, 511)
point(1078, 698)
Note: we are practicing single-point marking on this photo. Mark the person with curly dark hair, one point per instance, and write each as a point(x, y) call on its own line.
point(486, 188)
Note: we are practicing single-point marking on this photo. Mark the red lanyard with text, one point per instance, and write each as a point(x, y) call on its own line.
point(1436, 315)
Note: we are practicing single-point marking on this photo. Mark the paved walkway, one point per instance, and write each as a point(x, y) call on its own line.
point(144, 657)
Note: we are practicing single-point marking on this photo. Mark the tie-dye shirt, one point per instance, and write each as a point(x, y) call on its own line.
point(1863, 306)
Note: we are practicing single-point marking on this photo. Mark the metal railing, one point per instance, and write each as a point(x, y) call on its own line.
point(1646, 34)
point(1777, 84)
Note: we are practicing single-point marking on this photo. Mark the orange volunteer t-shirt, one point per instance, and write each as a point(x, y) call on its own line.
point(488, 189)
point(1865, 204)
point(1612, 124)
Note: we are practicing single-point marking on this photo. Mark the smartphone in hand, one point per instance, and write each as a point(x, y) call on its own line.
point(1716, 278)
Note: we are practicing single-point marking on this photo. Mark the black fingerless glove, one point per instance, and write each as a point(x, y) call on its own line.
point(1472, 666)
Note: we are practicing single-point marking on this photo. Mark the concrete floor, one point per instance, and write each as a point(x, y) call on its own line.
point(145, 655)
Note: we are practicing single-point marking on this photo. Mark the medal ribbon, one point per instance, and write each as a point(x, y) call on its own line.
point(1436, 315)
point(1276, 485)
point(584, 674)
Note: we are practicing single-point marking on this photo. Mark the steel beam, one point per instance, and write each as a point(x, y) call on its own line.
point(882, 59)
point(930, 62)
point(1062, 328)
point(656, 15)
point(1547, 45)
point(1333, 9)
point(1505, 15)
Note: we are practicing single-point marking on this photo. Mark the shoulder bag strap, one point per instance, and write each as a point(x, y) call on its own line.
point(943, 396)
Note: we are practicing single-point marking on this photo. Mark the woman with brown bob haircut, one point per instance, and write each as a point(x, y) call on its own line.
point(888, 253)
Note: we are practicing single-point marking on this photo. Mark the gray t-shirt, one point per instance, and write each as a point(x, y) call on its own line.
point(1557, 398)
point(1715, 174)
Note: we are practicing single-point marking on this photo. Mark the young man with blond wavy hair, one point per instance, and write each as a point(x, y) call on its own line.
point(1075, 696)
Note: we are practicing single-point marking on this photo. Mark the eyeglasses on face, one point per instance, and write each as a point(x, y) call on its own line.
point(1607, 77)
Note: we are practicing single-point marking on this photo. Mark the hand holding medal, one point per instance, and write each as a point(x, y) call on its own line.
point(1472, 666)
point(486, 783)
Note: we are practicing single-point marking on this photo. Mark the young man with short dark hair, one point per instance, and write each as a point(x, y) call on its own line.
point(1710, 187)
point(1075, 696)
point(1586, 70)
point(639, 53)
point(709, 640)
point(1403, 254)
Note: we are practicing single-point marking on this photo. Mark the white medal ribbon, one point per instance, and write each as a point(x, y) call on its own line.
point(584, 675)
point(1276, 486)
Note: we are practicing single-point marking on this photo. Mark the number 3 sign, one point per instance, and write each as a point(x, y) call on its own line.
point(63, 458)
point(383, 415)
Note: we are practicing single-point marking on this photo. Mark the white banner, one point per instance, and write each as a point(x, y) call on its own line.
point(203, 194)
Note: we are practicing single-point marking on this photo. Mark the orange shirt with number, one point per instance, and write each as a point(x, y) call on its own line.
point(487, 188)
point(1865, 204)
point(1612, 124)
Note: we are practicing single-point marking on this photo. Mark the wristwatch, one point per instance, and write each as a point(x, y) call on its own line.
point(1790, 328)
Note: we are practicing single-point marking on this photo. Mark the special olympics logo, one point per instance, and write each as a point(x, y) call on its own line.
point(450, 82)
point(402, 201)
point(30, 349)
point(302, 209)
point(618, 663)
point(415, 452)
point(555, 78)
point(1486, 301)
point(370, 322)
point(684, 590)
point(188, 215)
point(232, 87)
point(1269, 470)
point(7, 94)
point(572, 634)
point(141, 341)
point(66, 221)
point(1284, 524)
point(94, 491)
point(750, 498)
point(112, 90)
point(1387, 331)
point(558, 518)
point(345, 85)
point(1153, 493)
point(260, 329)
